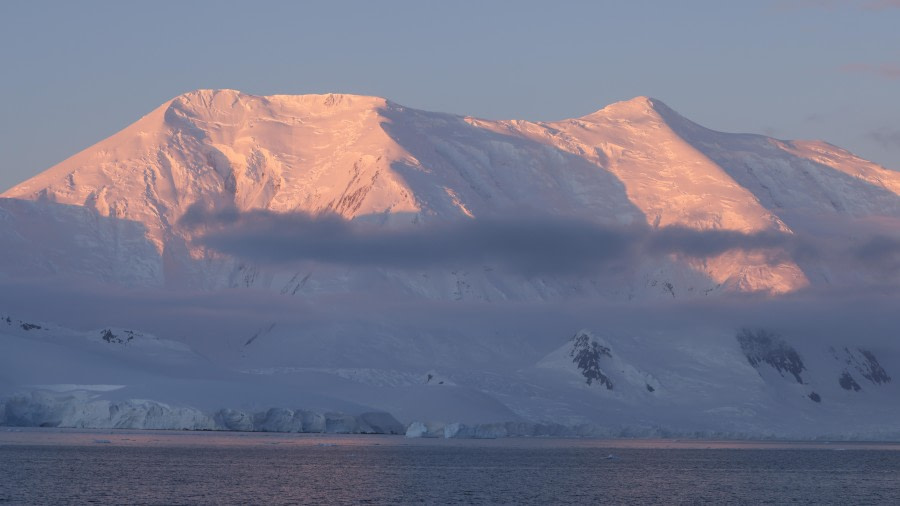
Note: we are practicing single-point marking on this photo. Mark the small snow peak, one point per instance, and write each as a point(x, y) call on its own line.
point(330, 101)
point(207, 96)
point(211, 98)
point(639, 109)
point(645, 101)
point(197, 110)
point(213, 92)
point(640, 100)
point(203, 101)
point(634, 108)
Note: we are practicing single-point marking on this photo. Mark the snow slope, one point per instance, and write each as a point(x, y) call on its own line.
point(751, 383)
point(441, 350)
point(367, 158)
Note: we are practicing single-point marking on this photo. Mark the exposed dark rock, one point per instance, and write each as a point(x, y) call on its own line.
point(815, 397)
point(586, 354)
point(30, 326)
point(764, 347)
point(848, 383)
point(110, 337)
point(260, 332)
point(650, 388)
point(864, 362)
point(870, 368)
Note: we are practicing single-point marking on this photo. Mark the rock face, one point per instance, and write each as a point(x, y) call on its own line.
point(863, 362)
point(767, 349)
point(763, 347)
point(586, 354)
point(848, 383)
point(870, 368)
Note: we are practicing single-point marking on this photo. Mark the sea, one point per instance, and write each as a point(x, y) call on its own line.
point(58, 466)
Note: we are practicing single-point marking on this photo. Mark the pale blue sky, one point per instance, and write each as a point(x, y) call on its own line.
point(74, 73)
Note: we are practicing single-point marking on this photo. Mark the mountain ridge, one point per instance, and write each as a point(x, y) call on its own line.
point(368, 158)
point(726, 285)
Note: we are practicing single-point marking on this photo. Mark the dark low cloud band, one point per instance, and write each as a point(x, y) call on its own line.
point(532, 245)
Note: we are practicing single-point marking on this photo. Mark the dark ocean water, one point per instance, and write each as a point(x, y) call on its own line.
point(149, 468)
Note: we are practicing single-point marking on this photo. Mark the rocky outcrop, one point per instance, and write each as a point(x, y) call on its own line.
point(765, 347)
point(862, 361)
point(586, 354)
point(848, 383)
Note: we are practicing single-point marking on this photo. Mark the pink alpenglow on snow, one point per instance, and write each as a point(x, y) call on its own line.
point(342, 263)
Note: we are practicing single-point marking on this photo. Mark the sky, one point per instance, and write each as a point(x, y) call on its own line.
point(74, 73)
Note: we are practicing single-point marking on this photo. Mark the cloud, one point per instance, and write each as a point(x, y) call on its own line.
point(711, 243)
point(885, 70)
point(527, 245)
point(881, 252)
point(217, 323)
point(886, 138)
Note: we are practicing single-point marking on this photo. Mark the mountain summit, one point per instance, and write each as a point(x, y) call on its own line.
point(625, 273)
point(366, 158)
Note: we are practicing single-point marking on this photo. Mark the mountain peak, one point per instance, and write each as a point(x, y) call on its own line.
point(637, 107)
point(210, 93)
point(223, 99)
point(365, 157)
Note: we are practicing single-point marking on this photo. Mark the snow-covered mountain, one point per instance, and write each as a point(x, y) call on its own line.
point(367, 158)
point(123, 214)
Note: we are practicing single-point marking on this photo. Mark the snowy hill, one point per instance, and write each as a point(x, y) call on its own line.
point(339, 255)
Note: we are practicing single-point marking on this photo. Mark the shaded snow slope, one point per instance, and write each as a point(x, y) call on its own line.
point(743, 343)
point(754, 382)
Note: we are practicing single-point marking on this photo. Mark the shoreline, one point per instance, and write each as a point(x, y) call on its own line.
point(57, 436)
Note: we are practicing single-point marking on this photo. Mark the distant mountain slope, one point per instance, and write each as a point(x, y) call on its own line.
point(727, 342)
point(367, 158)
